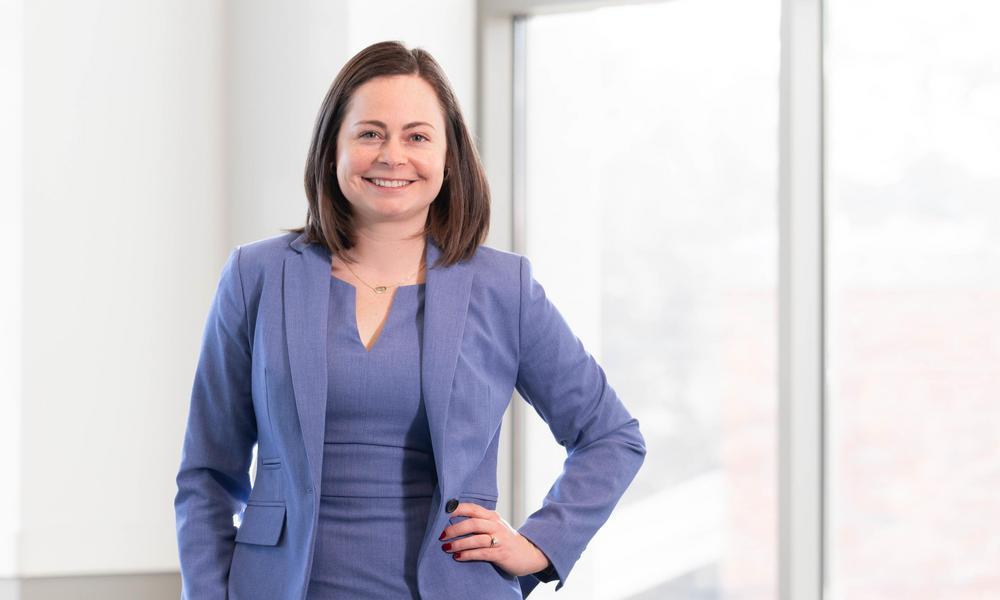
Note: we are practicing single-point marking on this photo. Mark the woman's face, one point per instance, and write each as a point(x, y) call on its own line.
point(393, 133)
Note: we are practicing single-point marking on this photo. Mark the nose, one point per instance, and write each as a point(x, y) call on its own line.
point(391, 153)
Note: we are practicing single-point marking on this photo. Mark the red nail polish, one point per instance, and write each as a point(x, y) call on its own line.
point(441, 536)
point(446, 547)
point(457, 555)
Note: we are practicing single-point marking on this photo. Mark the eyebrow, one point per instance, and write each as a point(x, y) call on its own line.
point(383, 125)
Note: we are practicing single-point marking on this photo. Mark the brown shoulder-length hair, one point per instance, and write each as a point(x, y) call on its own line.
point(458, 218)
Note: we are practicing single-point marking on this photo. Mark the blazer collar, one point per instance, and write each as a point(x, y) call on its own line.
point(306, 300)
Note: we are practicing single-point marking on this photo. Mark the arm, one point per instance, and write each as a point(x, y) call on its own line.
point(604, 449)
point(213, 482)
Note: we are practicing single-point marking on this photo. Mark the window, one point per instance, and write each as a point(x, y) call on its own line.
point(650, 216)
point(831, 394)
point(914, 299)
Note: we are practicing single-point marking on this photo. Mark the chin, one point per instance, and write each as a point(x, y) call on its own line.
point(397, 212)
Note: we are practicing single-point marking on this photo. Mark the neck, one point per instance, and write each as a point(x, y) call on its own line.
point(387, 251)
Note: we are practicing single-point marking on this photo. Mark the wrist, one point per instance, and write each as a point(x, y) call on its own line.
point(543, 564)
point(547, 574)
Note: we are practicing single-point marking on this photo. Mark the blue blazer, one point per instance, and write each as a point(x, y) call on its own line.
point(262, 376)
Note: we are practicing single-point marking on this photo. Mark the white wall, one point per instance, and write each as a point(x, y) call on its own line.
point(11, 206)
point(154, 136)
point(123, 209)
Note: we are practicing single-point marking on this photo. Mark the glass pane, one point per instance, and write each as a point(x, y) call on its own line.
point(651, 141)
point(914, 299)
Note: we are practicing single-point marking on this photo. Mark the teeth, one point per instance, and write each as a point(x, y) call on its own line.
point(389, 183)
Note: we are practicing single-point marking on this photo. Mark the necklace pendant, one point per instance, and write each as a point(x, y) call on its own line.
point(380, 289)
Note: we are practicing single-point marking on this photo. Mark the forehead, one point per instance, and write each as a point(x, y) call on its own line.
point(395, 100)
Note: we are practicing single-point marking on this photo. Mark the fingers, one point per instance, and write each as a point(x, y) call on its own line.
point(477, 519)
point(480, 526)
point(471, 525)
point(471, 509)
point(465, 547)
point(495, 555)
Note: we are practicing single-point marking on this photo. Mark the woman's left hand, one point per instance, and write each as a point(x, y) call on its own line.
point(513, 552)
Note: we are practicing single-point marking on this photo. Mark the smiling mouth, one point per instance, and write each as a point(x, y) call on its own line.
point(388, 183)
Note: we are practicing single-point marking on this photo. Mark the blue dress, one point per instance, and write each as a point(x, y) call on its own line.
point(378, 465)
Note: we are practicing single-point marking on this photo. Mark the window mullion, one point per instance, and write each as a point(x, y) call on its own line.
point(801, 299)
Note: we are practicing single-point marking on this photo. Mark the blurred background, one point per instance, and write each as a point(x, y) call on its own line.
point(775, 223)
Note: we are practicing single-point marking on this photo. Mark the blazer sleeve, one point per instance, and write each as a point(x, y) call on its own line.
point(604, 448)
point(213, 482)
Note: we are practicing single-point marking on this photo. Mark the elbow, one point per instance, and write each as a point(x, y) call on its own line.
point(635, 441)
point(625, 445)
point(631, 449)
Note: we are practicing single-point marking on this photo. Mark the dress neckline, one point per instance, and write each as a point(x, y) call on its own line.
point(354, 287)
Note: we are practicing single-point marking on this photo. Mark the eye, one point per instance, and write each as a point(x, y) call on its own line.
point(418, 135)
point(366, 133)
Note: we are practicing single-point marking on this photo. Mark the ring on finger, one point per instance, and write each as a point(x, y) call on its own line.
point(493, 541)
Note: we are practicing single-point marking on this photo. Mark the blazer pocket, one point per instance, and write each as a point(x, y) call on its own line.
point(262, 524)
point(479, 498)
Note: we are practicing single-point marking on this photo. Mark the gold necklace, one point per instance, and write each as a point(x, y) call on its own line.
point(381, 289)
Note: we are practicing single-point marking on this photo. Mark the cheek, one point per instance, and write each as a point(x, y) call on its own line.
point(349, 163)
point(350, 166)
point(432, 167)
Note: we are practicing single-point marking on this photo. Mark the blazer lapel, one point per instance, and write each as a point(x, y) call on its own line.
point(306, 299)
point(446, 303)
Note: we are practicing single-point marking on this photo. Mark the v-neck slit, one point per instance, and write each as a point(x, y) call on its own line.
point(352, 313)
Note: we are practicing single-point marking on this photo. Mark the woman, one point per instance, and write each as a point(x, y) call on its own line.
point(371, 355)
